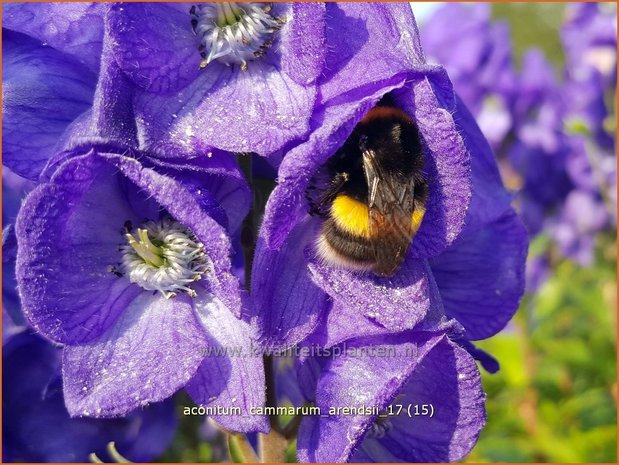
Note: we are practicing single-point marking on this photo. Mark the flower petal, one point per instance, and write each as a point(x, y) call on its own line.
point(337, 327)
point(481, 277)
point(303, 44)
point(439, 374)
point(361, 380)
point(154, 44)
point(449, 383)
point(232, 374)
point(41, 429)
point(68, 233)
point(383, 34)
point(151, 352)
point(11, 305)
point(43, 91)
point(75, 29)
point(219, 174)
point(447, 166)
point(397, 303)
point(286, 304)
point(260, 110)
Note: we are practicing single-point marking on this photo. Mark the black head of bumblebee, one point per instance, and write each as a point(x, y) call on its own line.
point(372, 194)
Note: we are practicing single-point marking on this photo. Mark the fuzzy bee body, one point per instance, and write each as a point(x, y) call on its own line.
point(372, 194)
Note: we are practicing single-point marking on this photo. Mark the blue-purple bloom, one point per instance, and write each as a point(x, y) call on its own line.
point(128, 121)
point(124, 259)
point(49, 78)
point(476, 51)
point(208, 68)
point(36, 424)
point(451, 288)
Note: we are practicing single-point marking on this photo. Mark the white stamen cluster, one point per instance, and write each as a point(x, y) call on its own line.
point(165, 257)
point(233, 33)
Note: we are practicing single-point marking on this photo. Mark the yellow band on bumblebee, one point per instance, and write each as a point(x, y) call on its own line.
point(351, 215)
point(417, 218)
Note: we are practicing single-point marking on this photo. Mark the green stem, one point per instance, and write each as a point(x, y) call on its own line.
point(271, 447)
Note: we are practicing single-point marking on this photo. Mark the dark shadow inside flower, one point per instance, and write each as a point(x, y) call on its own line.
point(371, 193)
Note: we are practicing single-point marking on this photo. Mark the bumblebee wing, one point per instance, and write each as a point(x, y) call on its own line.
point(391, 203)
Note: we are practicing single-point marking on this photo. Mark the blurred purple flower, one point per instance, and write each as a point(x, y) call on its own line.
point(590, 43)
point(37, 427)
point(477, 55)
point(540, 149)
point(236, 76)
point(479, 62)
point(551, 136)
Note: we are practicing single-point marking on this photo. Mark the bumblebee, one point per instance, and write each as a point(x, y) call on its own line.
point(372, 194)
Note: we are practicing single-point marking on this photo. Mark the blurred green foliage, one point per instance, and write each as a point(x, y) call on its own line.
point(533, 24)
point(554, 398)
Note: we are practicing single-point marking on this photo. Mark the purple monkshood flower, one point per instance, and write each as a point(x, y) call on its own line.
point(421, 393)
point(460, 281)
point(506, 106)
point(236, 76)
point(583, 215)
point(120, 261)
point(478, 57)
point(124, 259)
point(589, 38)
point(289, 308)
point(37, 427)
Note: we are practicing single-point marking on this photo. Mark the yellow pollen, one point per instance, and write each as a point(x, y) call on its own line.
point(149, 252)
